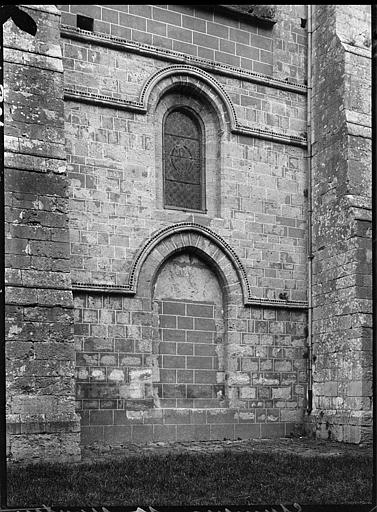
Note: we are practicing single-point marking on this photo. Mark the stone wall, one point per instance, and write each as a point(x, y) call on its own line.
point(342, 248)
point(41, 419)
point(165, 323)
point(194, 365)
point(247, 85)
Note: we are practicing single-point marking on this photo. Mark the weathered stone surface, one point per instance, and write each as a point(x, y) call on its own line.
point(42, 423)
point(166, 348)
point(341, 233)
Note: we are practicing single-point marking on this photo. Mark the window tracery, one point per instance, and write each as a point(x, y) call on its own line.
point(183, 161)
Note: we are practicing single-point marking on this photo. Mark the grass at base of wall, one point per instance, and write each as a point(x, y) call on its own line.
point(195, 479)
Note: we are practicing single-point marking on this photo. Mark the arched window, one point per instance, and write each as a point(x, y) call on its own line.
point(183, 161)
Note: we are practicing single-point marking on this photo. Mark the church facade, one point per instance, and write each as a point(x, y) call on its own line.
point(188, 225)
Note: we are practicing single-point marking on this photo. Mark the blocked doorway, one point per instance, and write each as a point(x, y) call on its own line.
point(189, 301)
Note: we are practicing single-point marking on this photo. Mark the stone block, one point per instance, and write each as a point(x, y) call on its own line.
point(153, 416)
point(185, 403)
point(173, 391)
point(198, 417)
point(292, 416)
point(128, 417)
point(142, 433)
point(272, 430)
point(222, 431)
point(173, 308)
point(204, 349)
point(199, 362)
point(164, 433)
point(249, 365)
point(200, 336)
point(130, 360)
point(173, 335)
point(247, 431)
point(205, 377)
point(116, 435)
point(282, 392)
point(124, 345)
point(238, 379)
point(169, 321)
point(170, 361)
point(101, 417)
point(184, 322)
point(168, 347)
point(246, 416)
point(108, 404)
point(221, 416)
point(282, 366)
point(247, 393)
point(199, 391)
point(176, 416)
point(92, 435)
point(186, 376)
point(201, 310)
point(193, 432)
point(185, 348)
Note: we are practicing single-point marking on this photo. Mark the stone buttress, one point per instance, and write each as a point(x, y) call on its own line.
point(41, 419)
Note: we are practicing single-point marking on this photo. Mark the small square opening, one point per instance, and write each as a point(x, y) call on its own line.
point(85, 23)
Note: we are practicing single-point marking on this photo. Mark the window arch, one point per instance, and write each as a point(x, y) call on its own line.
point(183, 160)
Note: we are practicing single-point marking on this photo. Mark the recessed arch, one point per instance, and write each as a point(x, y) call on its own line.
point(183, 96)
point(191, 78)
point(189, 236)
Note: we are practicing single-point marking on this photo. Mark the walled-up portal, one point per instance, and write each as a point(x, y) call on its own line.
point(191, 326)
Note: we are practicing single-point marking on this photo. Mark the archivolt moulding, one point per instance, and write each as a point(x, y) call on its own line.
point(225, 257)
point(176, 238)
point(125, 45)
point(185, 74)
point(167, 237)
point(166, 243)
point(188, 73)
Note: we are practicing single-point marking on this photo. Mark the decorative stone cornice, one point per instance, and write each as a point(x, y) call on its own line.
point(189, 72)
point(264, 15)
point(108, 289)
point(112, 289)
point(276, 303)
point(75, 94)
point(190, 236)
point(126, 45)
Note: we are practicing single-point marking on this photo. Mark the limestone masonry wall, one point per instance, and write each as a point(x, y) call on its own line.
point(131, 320)
point(41, 418)
point(256, 204)
point(342, 273)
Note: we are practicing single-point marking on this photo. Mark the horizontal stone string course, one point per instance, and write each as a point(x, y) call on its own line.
point(108, 101)
point(165, 54)
point(119, 290)
point(36, 286)
point(182, 235)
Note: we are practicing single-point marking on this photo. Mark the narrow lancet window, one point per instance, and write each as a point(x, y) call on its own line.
point(183, 161)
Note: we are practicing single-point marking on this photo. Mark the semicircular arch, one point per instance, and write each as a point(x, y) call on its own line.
point(192, 237)
point(187, 76)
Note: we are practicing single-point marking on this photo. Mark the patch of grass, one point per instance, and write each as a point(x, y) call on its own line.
point(225, 478)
